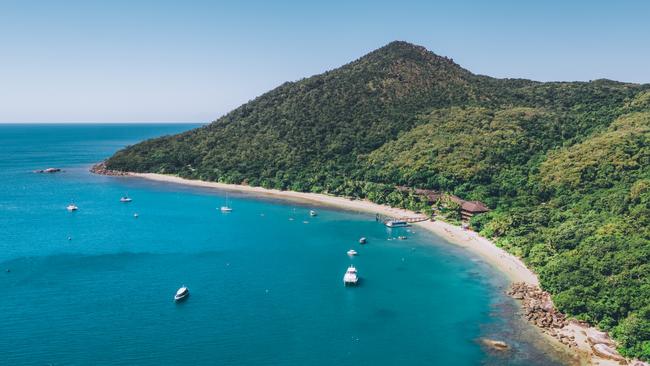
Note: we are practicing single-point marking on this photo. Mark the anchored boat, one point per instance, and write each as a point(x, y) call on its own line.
point(350, 277)
point(226, 208)
point(182, 294)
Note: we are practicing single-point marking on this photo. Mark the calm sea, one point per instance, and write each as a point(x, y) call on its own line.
point(95, 287)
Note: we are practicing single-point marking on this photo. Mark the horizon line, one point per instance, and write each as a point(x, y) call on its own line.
point(100, 122)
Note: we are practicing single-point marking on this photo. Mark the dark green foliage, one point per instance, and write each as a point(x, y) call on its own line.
point(564, 166)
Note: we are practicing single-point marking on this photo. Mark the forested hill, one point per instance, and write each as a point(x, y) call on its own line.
point(565, 166)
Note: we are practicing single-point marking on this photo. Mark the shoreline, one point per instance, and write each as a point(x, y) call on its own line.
point(512, 267)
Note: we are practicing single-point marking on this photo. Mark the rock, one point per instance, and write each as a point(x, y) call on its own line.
point(605, 351)
point(102, 170)
point(595, 337)
point(48, 170)
point(494, 344)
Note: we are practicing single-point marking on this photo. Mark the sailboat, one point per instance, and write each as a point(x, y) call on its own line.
point(227, 207)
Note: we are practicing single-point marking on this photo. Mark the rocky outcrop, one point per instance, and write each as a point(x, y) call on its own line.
point(48, 170)
point(101, 169)
point(538, 306)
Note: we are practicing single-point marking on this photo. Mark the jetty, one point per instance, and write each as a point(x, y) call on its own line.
point(407, 220)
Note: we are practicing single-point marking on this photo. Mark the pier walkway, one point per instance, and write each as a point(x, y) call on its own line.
point(384, 218)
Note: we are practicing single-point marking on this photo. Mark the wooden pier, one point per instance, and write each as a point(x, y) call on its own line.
point(384, 219)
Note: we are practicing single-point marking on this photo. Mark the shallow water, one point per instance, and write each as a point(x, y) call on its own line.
point(95, 286)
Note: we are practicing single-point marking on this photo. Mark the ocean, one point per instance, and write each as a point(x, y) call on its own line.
point(96, 286)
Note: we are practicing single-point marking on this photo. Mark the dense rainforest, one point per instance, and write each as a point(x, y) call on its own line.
point(564, 166)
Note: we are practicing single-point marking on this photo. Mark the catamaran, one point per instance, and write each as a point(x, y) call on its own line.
point(350, 277)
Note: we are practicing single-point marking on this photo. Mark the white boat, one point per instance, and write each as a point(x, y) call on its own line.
point(362, 240)
point(313, 213)
point(181, 294)
point(226, 207)
point(352, 252)
point(72, 207)
point(396, 223)
point(350, 277)
point(125, 199)
point(135, 215)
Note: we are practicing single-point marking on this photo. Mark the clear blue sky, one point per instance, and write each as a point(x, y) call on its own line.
point(192, 61)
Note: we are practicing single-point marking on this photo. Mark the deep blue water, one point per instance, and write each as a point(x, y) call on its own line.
point(95, 287)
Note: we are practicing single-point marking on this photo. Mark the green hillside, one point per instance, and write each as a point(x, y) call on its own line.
point(565, 167)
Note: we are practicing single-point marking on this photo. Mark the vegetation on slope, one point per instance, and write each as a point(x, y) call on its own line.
point(565, 166)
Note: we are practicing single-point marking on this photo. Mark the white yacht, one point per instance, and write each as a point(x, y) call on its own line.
point(125, 199)
point(313, 213)
point(350, 277)
point(181, 294)
point(352, 252)
point(72, 207)
point(226, 208)
point(362, 240)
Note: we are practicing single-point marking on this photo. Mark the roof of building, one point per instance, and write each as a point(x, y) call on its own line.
point(474, 206)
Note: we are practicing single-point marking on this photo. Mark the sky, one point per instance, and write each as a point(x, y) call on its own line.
point(193, 61)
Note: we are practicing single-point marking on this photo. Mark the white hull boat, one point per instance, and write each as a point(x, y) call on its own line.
point(350, 278)
point(181, 294)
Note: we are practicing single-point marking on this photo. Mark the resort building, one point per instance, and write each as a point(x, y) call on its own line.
point(438, 199)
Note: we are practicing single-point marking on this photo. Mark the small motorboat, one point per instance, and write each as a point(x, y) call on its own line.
point(135, 215)
point(402, 237)
point(126, 199)
point(72, 207)
point(181, 294)
point(350, 277)
point(313, 213)
point(362, 240)
point(352, 252)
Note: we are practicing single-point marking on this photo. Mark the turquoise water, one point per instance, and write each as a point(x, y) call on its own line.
point(95, 287)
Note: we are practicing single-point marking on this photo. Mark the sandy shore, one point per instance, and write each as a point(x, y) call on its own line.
point(511, 266)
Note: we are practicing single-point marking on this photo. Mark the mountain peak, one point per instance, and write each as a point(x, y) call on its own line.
point(402, 50)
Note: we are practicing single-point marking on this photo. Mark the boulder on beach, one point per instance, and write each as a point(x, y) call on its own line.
point(605, 351)
point(597, 337)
